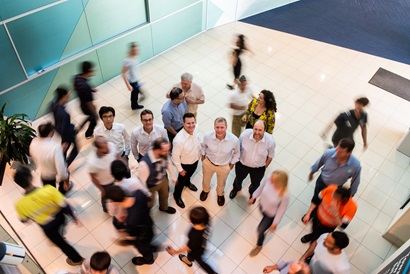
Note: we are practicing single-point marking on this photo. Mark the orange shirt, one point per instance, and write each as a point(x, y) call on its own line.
point(329, 208)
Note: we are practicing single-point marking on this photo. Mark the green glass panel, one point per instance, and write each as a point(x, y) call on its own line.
point(161, 8)
point(28, 97)
point(10, 69)
point(42, 37)
point(107, 18)
point(112, 55)
point(176, 28)
point(10, 8)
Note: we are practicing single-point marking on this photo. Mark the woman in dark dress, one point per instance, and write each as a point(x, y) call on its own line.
point(236, 63)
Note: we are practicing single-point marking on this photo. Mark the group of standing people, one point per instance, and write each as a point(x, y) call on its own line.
point(172, 153)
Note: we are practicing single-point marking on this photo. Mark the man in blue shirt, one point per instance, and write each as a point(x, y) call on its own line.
point(338, 165)
point(173, 112)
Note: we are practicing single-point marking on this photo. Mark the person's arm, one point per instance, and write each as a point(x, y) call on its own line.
point(173, 252)
point(134, 145)
point(171, 171)
point(236, 154)
point(258, 191)
point(124, 76)
point(172, 130)
point(127, 141)
point(176, 157)
point(59, 162)
point(354, 184)
point(270, 121)
point(268, 161)
point(318, 164)
point(248, 112)
point(270, 268)
point(326, 130)
point(281, 211)
point(97, 183)
point(364, 136)
point(234, 59)
point(309, 252)
point(236, 107)
point(306, 218)
point(143, 172)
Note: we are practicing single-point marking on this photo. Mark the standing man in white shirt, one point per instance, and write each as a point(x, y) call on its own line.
point(186, 153)
point(238, 101)
point(144, 135)
point(130, 75)
point(48, 155)
point(257, 151)
point(220, 152)
point(194, 95)
point(328, 254)
point(99, 166)
point(114, 132)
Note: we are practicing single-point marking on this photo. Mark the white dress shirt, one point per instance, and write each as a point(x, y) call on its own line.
point(254, 153)
point(49, 158)
point(241, 99)
point(186, 149)
point(117, 135)
point(221, 152)
point(141, 141)
point(101, 167)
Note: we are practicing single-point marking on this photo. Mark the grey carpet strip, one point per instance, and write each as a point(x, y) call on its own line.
point(392, 83)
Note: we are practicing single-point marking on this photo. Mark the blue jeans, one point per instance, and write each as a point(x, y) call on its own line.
point(263, 226)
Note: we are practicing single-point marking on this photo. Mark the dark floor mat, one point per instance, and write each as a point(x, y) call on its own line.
point(392, 83)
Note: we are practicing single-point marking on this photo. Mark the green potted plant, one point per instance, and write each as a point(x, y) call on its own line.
point(15, 138)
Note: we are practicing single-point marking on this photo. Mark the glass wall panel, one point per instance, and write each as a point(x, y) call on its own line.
point(11, 8)
point(160, 8)
point(176, 28)
point(10, 69)
point(28, 97)
point(112, 55)
point(107, 18)
point(41, 38)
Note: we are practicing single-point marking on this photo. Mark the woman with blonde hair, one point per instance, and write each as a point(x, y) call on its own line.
point(273, 202)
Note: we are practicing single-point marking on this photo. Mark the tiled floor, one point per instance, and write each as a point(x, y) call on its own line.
point(312, 82)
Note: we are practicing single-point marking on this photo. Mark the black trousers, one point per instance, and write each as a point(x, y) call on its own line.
point(184, 180)
point(172, 136)
point(197, 256)
point(92, 119)
point(144, 235)
point(71, 142)
point(53, 183)
point(52, 232)
point(134, 94)
point(256, 174)
point(318, 228)
point(103, 199)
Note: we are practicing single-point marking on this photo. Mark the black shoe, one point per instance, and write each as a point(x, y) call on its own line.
point(221, 200)
point(169, 210)
point(180, 203)
point(305, 239)
point(137, 107)
point(203, 196)
point(185, 260)
point(229, 86)
point(141, 261)
point(233, 193)
point(192, 187)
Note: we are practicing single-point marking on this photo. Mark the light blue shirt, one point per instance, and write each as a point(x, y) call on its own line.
point(333, 173)
point(221, 152)
point(172, 115)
